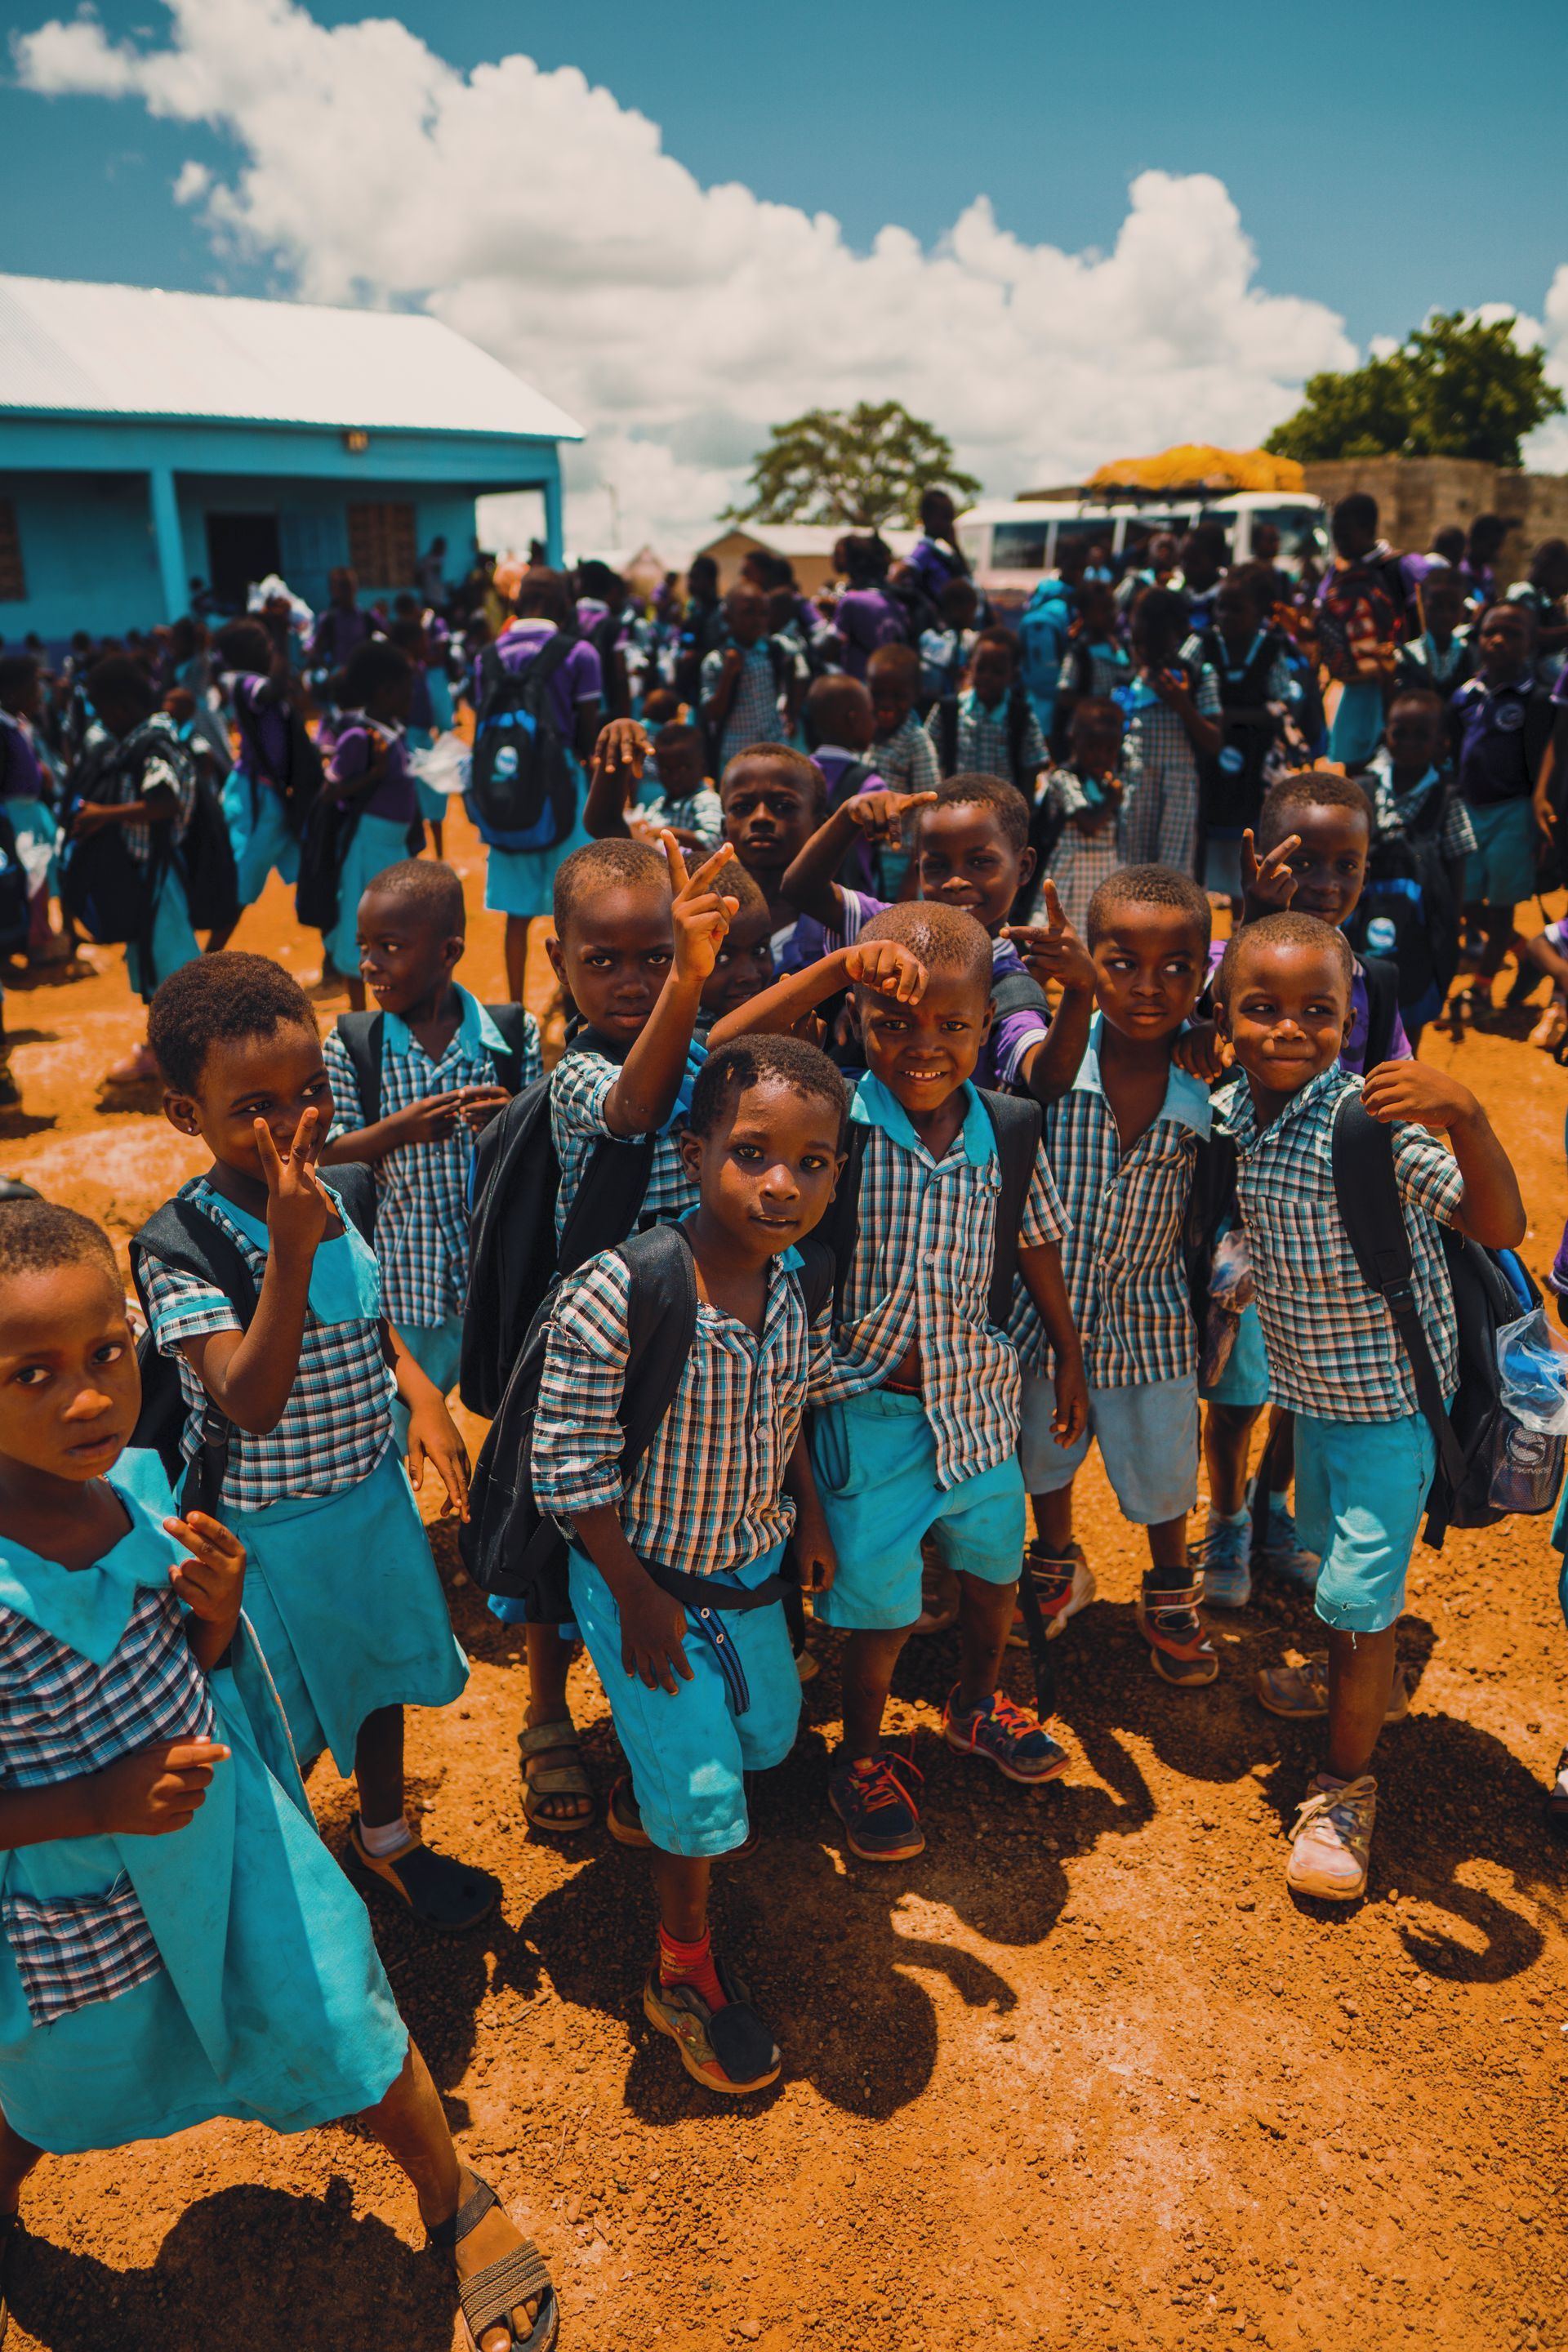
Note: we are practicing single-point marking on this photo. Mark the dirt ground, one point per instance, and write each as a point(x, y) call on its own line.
point(1083, 2075)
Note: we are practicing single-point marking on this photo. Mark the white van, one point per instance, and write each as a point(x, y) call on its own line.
point(1012, 546)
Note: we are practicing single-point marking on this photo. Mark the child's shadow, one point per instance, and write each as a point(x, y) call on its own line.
point(276, 2273)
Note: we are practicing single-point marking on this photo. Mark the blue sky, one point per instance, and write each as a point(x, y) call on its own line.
point(1383, 159)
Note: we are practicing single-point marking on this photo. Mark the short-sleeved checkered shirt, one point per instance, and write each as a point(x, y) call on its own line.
point(1126, 1278)
point(421, 1190)
point(1160, 774)
point(579, 1085)
point(1081, 861)
point(337, 1424)
point(1396, 812)
point(1333, 1350)
point(1095, 670)
point(983, 746)
point(921, 1270)
point(709, 1493)
point(906, 760)
point(756, 706)
point(62, 1716)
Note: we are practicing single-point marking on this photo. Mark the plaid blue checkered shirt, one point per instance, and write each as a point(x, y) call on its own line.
point(1126, 1278)
point(921, 1271)
point(1395, 810)
point(756, 706)
point(906, 760)
point(580, 1085)
point(337, 1424)
point(983, 746)
point(1333, 1350)
point(421, 1190)
point(1160, 770)
point(707, 1494)
point(62, 1717)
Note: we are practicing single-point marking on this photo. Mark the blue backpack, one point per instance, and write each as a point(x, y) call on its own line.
point(522, 786)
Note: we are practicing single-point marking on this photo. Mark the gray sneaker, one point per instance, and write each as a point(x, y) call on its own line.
point(1331, 1842)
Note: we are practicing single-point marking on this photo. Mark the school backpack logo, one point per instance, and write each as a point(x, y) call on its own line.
point(522, 786)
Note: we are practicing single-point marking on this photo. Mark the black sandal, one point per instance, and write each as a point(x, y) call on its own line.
point(493, 2294)
point(11, 2232)
point(447, 1895)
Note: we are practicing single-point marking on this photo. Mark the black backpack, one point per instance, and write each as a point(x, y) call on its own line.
point(1406, 894)
point(1231, 784)
point(1019, 710)
point(329, 828)
point(206, 865)
point(514, 1257)
point(509, 1546)
point(1382, 978)
point(110, 892)
point(181, 1235)
point(14, 912)
point(299, 785)
point(1488, 1465)
point(522, 784)
point(362, 1033)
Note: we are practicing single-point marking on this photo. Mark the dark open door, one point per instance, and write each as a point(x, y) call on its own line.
point(241, 548)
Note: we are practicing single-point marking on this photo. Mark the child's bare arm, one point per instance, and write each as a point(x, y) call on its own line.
point(813, 1546)
point(429, 1121)
point(250, 1375)
point(881, 964)
point(1490, 1210)
point(605, 809)
point(433, 1435)
point(147, 1793)
point(1548, 957)
point(644, 1094)
point(809, 885)
point(653, 1626)
point(1041, 1268)
point(1052, 950)
point(716, 703)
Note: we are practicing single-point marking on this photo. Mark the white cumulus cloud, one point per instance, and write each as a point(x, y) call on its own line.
point(543, 219)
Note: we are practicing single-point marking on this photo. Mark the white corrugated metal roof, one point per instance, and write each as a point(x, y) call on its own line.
point(136, 351)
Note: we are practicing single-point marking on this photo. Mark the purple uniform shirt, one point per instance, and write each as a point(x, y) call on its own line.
point(352, 752)
point(263, 729)
point(864, 619)
point(341, 630)
point(580, 678)
point(24, 778)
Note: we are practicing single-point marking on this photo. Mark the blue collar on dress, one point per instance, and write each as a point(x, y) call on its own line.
point(89, 1609)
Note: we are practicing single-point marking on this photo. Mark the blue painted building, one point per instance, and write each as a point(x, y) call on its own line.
point(148, 439)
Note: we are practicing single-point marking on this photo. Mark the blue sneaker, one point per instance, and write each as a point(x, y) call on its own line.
point(1225, 1557)
point(1275, 1543)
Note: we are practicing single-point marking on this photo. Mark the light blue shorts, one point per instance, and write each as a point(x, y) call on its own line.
point(1148, 1439)
point(1500, 869)
point(1360, 1491)
point(437, 1349)
point(874, 1458)
point(262, 841)
point(689, 1751)
point(1245, 1380)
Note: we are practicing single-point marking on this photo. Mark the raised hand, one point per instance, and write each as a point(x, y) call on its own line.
point(1419, 1093)
point(1267, 885)
point(702, 913)
point(211, 1581)
point(298, 1210)
point(622, 749)
point(883, 965)
point(1052, 949)
point(880, 815)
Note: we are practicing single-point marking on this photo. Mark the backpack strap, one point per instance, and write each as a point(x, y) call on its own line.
point(661, 1324)
point(512, 1020)
point(947, 732)
point(816, 1275)
point(362, 1034)
point(1366, 1193)
point(1016, 992)
point(354, 1184)
point(852, 777)
point(839, 1228)
point(1382, 977)
point(183, 1236)
point(1019, 708)
point(1017, 1119)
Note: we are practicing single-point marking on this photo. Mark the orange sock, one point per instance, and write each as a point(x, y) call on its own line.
point(690, 1963)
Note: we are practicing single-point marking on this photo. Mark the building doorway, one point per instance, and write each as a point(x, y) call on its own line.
point(241, 549)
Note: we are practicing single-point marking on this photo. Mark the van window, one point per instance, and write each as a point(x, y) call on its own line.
point(1019, 546)
point(1087, 528)
point(1302, 532)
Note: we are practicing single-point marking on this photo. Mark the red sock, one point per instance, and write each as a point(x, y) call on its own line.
point(690, 1963)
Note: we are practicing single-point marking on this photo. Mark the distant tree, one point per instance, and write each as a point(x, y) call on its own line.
point(1457, 387)
point(862, 468)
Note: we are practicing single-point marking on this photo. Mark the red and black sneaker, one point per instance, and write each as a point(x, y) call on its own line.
point(877, 1806)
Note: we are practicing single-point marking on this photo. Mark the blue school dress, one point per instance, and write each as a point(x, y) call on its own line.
point(151, 1983)
point(341, 1587)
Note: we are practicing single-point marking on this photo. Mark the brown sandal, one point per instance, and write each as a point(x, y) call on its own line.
point(492, 2294)
point(553, 1780)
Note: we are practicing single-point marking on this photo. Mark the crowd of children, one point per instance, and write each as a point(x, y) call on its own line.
point(913, 1134)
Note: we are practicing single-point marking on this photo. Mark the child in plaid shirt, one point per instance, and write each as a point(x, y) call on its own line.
point(1364, 1452)
point(699, 1700)
point(1173, 710)
point(1081, 801)
point(164, 1960)
point(440, 1085)
point(901, 748)
point(1122, 1143)
point(918, 1427)
point(343, 1592)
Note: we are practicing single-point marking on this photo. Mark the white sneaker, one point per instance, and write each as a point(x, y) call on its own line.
point(1331, 1839)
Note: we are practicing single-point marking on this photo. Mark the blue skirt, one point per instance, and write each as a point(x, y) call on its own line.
point(271, 2006)
point(348, 1609)
point(378, 842)
point(260, 833)
point(522, 881)
point(172, 944)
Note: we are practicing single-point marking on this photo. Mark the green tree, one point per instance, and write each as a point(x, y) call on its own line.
point(862, 468)
point(1457, 387)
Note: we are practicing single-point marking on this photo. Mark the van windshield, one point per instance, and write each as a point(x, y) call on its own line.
point(1019, 546)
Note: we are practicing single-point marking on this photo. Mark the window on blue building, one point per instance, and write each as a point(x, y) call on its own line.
point(13, 579)
point(382, 546)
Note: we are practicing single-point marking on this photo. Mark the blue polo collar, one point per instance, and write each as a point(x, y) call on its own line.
point(1187, 1099)
point(475, 1030)
point(875, 1106)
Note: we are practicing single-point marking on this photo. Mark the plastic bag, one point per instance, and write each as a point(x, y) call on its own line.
point(1532, 1371)
point(1230, 1291)
point(443, 765)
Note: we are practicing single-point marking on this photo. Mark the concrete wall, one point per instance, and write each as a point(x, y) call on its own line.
point(1418, 496)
